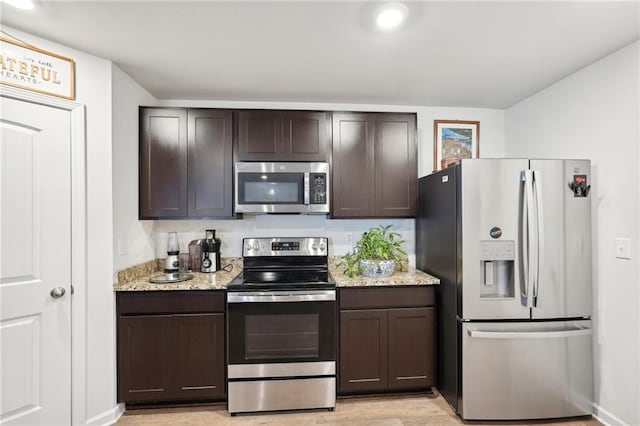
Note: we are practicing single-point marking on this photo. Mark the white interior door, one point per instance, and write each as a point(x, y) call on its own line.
point(35, 264)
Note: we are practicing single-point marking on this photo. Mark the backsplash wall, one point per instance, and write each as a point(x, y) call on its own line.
point(231, 232)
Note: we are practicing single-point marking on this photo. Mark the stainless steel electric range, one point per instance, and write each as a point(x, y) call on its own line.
point(281, 338)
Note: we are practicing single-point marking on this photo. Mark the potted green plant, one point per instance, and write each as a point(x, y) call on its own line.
point(375, 254)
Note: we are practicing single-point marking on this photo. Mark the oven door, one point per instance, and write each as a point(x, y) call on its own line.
point(281, 327)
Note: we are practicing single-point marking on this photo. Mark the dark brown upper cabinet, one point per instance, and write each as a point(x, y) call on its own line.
point(186, 163)
point(268, 135)
point(210, 167)
point(163, 163)
point(374, 165)
point(353, 178)
point(396, 165)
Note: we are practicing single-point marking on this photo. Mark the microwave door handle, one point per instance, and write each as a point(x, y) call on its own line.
point(306, 188)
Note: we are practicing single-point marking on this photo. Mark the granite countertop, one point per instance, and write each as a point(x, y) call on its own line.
point(411, 277)
point(137, 278)
point(408, 277)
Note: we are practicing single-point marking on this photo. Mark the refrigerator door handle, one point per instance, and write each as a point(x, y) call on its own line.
point(553, 334)
point(526, 237)
point(539, 234)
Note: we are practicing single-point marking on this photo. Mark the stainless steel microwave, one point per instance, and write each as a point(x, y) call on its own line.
point(282, 188)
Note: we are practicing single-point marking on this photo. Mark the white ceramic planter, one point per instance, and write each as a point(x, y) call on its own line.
point(376, 268)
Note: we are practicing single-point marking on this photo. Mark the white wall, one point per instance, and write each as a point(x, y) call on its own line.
point(594, 114)
point(93, 89)
point(231, 232)
point(132, 238)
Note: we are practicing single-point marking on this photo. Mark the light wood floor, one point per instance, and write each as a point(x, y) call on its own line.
point(399, 410)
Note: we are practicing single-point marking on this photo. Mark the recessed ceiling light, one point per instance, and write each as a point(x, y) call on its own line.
point(20, 4)
point(391, 15)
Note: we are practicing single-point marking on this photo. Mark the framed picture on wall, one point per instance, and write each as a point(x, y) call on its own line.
point(454, 140)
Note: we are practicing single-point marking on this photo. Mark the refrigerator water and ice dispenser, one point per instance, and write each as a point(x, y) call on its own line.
point(497, 269)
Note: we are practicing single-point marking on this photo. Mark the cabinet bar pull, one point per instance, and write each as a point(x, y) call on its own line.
point(197, 387)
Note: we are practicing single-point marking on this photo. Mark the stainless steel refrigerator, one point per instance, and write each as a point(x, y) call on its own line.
point(510, 240)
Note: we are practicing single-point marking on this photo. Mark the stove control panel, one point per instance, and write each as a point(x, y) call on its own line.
point(302, 246)
point(285, 245)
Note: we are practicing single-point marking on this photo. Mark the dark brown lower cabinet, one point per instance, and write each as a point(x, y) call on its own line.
point(363, 350)
point(168, 349)
point(198, 345)
point(144, 358)
point(411, 347)
point(386, 339)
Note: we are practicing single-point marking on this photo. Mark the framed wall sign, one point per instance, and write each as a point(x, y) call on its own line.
point(31, 68)
point(454, 140)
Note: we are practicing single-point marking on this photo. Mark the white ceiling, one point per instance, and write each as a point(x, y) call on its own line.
point(454, 53)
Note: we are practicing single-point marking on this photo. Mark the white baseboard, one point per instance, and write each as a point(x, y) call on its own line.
point(109, 417)
point(605, 417)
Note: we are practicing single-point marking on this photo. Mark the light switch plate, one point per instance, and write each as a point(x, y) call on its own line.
point(122, 246)
point(623, 248)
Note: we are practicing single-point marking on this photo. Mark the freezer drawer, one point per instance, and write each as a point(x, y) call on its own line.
point(526, 370)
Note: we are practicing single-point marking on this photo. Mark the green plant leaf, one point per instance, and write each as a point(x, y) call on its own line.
point(378, 243)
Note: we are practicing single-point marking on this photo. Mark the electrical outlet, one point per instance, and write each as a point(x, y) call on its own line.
point(122, 247)
point(623, 248)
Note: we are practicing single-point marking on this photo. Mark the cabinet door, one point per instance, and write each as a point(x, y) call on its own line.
point(259, 135)
point(306, 136)
point(396, 165)
point(210, 173)
point(353, 193)
point(163, 163)
point(363, 350)
point(198, 345)
point(144, 358)
point(411, 348)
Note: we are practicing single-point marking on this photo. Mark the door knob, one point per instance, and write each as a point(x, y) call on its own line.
point(57, 292)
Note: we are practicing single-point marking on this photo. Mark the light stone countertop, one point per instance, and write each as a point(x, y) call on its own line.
point(132, 281)
point(201, 281)
point(411, 277)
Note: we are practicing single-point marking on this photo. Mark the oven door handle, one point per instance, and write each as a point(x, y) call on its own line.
point(281, 296)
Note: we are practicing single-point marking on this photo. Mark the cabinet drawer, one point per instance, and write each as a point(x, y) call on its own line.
point(175, 302)
point(386, 297)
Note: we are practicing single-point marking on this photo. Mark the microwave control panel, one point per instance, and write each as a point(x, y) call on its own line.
point(318, 188)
